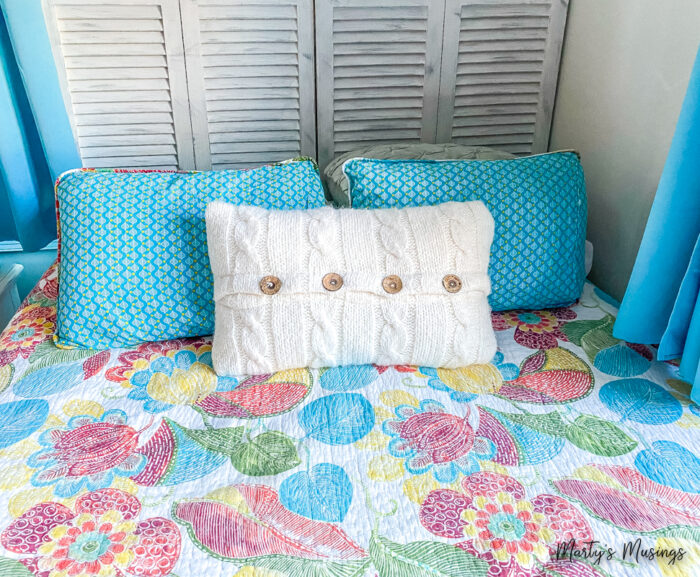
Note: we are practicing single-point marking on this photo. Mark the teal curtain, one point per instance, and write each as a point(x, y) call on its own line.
point(662, 301)
point(36, 142)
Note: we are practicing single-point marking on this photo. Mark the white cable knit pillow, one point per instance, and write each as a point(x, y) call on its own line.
point(328, 287)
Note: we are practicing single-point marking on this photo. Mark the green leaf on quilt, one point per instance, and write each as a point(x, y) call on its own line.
point(6, 373)
point(596, 340)
point(270, 453)
point(599, 437)
point(549, 423)
point(47, 354)
point(679, 532)
point(12, 568)
point(219, 440)
point(423, 559)
point(297, 567)
point(575, 330)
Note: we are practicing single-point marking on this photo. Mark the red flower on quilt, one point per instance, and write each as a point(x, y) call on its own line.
point(100, 536)
point(534, 329)
point(33, 325)
point(513, 534)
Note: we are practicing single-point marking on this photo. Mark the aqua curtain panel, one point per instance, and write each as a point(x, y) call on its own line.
point(662, 303)
point(36, 142)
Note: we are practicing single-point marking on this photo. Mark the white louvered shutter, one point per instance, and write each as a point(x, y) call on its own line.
point(122, 73)
point(250, 66)
point(499, 71)
point(377, 66)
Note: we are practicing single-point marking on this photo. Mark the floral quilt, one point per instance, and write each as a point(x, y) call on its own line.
point(572, 454)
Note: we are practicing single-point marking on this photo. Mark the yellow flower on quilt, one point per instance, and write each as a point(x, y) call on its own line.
point(182, 387)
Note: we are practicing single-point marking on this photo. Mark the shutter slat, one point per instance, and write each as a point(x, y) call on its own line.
point(125, 140)
point(240, 82)
point(233, 10)
point(143, 74)
point(222, 62)
point(116, 11)
point(108, 61)
point(123, 78)
point(250, 113)
point(374, 37)
point(100, 36)
point(123, 85)
point(153, 49)
point(244, 126)
point(499, 67)
point(264, 94)
point(117, 25)
point(257, 136)
point(121, 96)
point(246, 159)
point(153, 162)
point(120, 108)
point(290, 147)
point(245, 48)
point(100, 124)
point(98, 152)
point(500, 119)
point(251, 71)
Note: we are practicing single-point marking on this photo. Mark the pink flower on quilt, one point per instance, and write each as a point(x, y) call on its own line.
point(429, 438)
point(102, 535)
point(513, 534)
point(534, 329)
point(89, 451)
point(33, 325)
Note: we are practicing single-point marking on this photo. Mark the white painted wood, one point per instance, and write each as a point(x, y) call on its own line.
point(377, 71)
point(231, 83)
point(250, 66)
point(122, 71)
point(500, 62)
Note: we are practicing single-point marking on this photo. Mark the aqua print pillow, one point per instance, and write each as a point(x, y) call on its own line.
point(538, 204)
point(133, 247)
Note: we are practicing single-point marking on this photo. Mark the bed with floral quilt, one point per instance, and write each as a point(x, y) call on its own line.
point(571, 454)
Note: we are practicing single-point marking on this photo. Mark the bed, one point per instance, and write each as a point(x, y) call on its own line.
point(571, 454)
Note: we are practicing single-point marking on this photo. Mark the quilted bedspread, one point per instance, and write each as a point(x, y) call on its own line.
point(571, 454)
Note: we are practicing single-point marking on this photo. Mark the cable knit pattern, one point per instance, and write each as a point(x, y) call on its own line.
point(304, 324)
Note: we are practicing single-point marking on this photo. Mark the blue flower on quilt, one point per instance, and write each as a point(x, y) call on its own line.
point(175, 376)
point(87, 452)
point(509, 371)
point(430, 439)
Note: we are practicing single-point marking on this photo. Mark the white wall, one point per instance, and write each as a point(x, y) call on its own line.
point(624, 71)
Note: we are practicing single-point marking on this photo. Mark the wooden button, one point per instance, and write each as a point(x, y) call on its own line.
point(452, 283)
point(270, 285)
point(332, 281)
point(392, 284)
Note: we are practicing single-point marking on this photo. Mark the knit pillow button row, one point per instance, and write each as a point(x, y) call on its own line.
point(270, 285)
point(332, 281)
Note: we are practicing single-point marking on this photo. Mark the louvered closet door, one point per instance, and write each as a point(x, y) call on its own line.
point(122, 72)
point(251, 80)
point(377, 69)
point(499, 71)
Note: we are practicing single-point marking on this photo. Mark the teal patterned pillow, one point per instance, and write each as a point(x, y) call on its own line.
point(538, 203)
point(133, 247)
